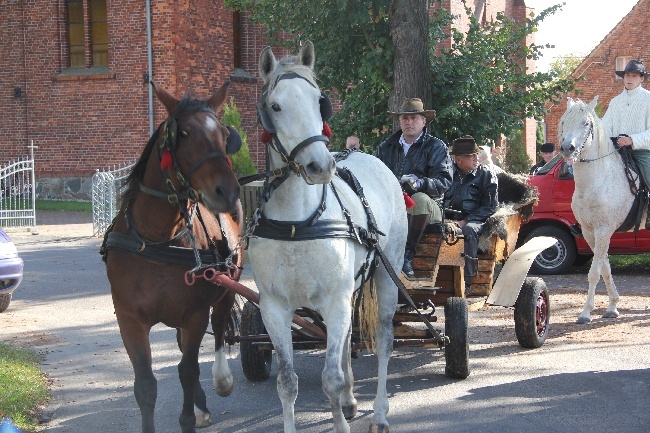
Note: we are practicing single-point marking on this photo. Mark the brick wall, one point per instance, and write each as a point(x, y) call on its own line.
point(597, 70)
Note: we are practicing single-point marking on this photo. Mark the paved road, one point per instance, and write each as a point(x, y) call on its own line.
point(584, 379)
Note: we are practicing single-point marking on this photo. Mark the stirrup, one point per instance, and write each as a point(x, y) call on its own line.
point(576, 230)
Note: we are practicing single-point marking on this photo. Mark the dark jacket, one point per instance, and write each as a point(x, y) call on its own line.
point(427, 158)
point(473, 194)
point(537, 166)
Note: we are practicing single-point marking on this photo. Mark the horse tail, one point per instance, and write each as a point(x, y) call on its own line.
point(366, 309)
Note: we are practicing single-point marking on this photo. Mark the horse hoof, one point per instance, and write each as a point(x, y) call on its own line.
point(610, 315)
point(225, 389)
point(349, 411)
point(378, 428)
point(203, 419)
point(583, 320)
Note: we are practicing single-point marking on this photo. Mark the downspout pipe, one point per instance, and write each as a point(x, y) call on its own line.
point(149, 66)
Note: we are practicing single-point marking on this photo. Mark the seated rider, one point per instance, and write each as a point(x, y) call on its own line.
point(472, 199)
point(548, 152)
point(422, 165)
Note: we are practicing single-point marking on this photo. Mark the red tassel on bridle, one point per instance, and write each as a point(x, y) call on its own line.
point(408, 201)
point(166, 160)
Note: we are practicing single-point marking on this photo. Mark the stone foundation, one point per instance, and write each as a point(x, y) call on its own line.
point(68, 188)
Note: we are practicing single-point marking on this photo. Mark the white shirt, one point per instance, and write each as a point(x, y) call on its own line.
point(406, 146)
point(629, 113)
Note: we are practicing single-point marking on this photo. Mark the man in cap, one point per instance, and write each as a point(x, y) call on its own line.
point(548, 152)
point(471, 199)
point(628, 118)
point(422, 165)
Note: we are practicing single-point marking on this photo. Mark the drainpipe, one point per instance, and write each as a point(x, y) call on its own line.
point(149, 66)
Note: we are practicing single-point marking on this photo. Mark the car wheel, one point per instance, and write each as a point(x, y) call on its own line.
point(556, 259)
point(5, 299)
point(532, 313)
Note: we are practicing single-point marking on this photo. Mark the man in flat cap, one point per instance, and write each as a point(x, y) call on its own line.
point(422, 165)
point(548, 152)
point(472, 199)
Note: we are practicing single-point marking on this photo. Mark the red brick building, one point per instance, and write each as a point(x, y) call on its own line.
point(626, 41)
point(75, 73)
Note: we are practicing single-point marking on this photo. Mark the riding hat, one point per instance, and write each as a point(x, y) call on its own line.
point(414, 106)
point(464, 145)
point(548, 148)
point(633, 66)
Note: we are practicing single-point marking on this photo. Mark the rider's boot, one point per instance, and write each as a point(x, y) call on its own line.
point(576, 230)
point(417, 224)
point(471, 269)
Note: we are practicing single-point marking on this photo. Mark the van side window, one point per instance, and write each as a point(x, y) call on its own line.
point(565, 172)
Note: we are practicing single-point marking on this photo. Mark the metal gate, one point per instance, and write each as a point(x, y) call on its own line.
point(17, 193)
point(107, 187)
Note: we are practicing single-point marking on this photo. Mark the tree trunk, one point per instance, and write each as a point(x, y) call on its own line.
point(409, 28)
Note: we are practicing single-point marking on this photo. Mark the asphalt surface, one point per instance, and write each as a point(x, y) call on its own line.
point(593, 378)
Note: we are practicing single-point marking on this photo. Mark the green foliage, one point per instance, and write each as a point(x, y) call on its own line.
point(565, 66)
point(23, 387)
point(64, 205)
point(517, 160)
point(479, 85)
point(242, 163)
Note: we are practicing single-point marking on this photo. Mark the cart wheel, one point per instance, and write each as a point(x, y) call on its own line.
point(255, 362)
point(532, 313)
point(457, 351)
point(5, 299)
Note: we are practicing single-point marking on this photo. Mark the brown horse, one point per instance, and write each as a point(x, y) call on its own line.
point(173, 228)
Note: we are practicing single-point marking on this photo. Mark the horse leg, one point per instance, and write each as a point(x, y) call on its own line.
point(188, 373)
point(338, 319)
point(222, 377)
point(612, 311)
point(387, 304)
point(135, 337)
point(348, 402)
point(277, 320)
point(201, 412)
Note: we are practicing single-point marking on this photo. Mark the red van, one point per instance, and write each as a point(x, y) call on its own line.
point(552, 217)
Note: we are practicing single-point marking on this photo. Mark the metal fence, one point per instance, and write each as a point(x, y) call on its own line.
point(107, 187)
point(17, 193)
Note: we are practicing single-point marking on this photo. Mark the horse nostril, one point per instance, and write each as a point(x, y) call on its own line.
point(314, 168)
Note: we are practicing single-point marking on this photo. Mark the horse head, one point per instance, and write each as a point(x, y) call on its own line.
point(293, 110)
point(577, 128)
point(193, 147)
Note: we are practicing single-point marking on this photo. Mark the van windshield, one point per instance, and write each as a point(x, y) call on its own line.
point(549, 165)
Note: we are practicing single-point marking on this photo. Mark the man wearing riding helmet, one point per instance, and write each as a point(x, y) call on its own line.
point(422, 165)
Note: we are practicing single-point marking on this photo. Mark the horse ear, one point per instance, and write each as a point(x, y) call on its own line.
point(219, 97)
point(570, 103)
point(306, 55)
point(267, 63)
point(593, 103)
point(167, 99)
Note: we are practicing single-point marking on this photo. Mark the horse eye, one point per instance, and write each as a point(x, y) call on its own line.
point(183, 133)
point(275, 107)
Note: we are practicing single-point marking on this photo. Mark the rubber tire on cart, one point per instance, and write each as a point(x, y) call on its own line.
point(5, 299)
point(256, 362)
point(532, 313)
point(558, 258)
point(457, 351)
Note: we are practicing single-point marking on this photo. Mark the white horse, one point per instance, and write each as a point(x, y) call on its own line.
point(320, 274)
point(602, 196)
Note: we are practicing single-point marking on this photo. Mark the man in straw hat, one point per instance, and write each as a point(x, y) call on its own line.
point(628, 118)
point(472, 198)
point(548, 152)
point(423, 167)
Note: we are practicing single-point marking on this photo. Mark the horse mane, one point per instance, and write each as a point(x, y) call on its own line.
point(186, 106)
point(289, 64)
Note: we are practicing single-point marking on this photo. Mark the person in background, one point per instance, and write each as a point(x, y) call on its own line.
point(548, 152)
point(422, 165)
point(352, 141)
point(470, 200)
